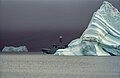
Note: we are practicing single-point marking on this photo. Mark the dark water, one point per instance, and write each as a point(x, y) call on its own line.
point(30, 66)
point(35, 40)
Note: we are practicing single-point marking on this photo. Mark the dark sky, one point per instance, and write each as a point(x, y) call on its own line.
point(38, 23)
point(48, 14)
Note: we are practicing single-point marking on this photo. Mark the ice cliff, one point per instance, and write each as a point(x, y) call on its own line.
point(102, 36)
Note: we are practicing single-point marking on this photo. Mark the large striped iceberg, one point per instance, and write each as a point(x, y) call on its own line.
point(102, 36)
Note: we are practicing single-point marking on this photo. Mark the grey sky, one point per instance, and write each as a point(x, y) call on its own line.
point(48, 14)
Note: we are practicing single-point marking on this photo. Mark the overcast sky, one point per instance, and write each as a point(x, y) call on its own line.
point(36, 19)
point(48, 14)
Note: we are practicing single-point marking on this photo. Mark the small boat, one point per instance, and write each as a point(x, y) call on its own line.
point(54, 47)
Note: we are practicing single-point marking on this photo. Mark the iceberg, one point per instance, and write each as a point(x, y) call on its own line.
point(15, 49)
point(102, 36)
